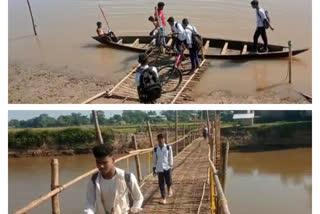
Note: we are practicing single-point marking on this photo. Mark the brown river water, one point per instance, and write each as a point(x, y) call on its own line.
point(65, 27)
point(262, 182)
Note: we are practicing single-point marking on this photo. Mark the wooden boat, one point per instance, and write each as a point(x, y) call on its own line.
point(217, 48)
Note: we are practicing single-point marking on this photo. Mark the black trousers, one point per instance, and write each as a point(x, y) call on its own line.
point(164, 177)
point(260, 31)
point(194, 58)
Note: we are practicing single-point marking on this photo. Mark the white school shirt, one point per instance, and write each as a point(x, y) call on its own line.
point(163, 158)
point(178, 28)
point(189, 34)
point(142, 68)
point(260, 18)
point(108, 189)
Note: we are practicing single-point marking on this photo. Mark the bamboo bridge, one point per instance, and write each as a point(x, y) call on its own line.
point(197, 185)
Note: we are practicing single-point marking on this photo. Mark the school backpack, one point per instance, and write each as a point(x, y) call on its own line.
point(127, 178)
point(156, 148)
point(196, 40)
point(150, 87)
point(266, 22)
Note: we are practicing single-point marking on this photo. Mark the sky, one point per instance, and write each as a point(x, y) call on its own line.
point(25, 115)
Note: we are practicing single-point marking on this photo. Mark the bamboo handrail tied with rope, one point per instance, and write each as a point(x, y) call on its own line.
point(59, 189)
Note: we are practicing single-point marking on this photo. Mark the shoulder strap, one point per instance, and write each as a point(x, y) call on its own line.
point(258, 12)
point(94, 178)
point(127, 178)
point(168, 147)
point(155, 149)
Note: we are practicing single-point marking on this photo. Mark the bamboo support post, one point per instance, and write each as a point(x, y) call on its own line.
point(290, 61)
point(34, 26)
point(137, 158)
point(150, 134)
point(212, 195)
point(225, 157)
point(96, 123)
point(213, 143)
point(184, 134)
point(54, 184)
point(176, 133)
point(217, 137)
point(167, 137)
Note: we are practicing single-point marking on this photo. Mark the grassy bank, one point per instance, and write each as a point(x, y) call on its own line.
point(269, 135)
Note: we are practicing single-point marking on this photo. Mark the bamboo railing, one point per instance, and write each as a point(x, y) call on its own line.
point(189, 137)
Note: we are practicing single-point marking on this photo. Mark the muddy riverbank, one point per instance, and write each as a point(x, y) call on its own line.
point(42, 84)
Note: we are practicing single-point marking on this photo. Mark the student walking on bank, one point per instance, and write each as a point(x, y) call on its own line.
point(110, 189)
point(263, 23)
point(162, 166)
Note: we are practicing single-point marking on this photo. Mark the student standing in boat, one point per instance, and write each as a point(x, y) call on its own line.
point(159, 17)
point(178, 34)
point(189, 30)
point(162, 166)
point(147, 81)
point(109, 190)
point(262, 22)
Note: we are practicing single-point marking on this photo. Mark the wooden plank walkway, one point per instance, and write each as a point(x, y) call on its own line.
point(125, 91)
point(190, 172)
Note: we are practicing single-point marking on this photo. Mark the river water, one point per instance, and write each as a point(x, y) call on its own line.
point(65, 27)
point(262, 182)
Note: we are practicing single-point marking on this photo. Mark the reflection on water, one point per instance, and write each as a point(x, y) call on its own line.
point(270, 182)
point(65, 28)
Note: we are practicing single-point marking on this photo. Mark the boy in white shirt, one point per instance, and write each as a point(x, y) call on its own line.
point(260, 30)
point(109, 189)
point(162, 166)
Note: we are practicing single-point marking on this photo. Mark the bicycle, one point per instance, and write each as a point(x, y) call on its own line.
point(159, 46)
point(170, 76)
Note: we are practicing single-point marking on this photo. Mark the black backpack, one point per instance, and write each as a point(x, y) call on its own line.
point(127, 178)
point(150, 87)
point(196, 40)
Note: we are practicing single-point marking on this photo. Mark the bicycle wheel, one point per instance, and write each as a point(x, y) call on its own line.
point(170, 78)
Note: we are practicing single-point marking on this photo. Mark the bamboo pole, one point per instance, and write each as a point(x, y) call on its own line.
point(176, 133)
point(217, 138)
point(225, 157)
point(137, 158)
point(167, 137)
point(290, 61)
point(213, 144)
point(105, 19)
point(150, 134)
point(109, 93)
point(34, 27)
point(96, 123)
point(202, 196)
point(54, 184)
point(184, 134)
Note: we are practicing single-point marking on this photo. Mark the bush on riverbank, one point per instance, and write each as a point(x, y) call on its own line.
point(68, 138)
